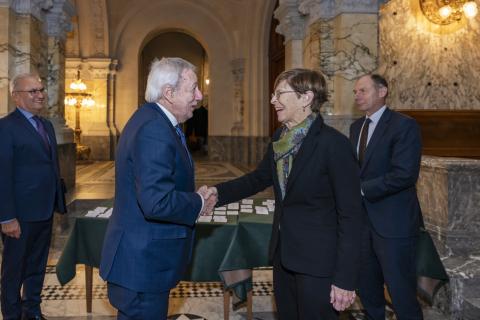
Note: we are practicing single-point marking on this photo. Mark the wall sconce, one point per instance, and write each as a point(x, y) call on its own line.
point(79, 98)
point(445, 12)
point(207, 81)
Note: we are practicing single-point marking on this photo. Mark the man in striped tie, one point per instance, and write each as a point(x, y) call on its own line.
point(30, 191)
point(389, 150)
point(150, 234)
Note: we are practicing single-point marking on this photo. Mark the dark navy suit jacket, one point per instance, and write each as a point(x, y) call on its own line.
point(389, 173)
point(30, 185)
point(149, 237)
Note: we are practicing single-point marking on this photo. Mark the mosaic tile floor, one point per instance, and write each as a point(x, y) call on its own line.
point(95, 180)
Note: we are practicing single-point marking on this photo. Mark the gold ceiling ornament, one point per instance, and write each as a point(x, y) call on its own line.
point(79, 98)
point(444, 12)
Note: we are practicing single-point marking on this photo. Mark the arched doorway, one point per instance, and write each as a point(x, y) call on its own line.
point(180, 44)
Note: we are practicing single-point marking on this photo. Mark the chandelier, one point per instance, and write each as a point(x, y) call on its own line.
point(79, 98)
point(445, 12)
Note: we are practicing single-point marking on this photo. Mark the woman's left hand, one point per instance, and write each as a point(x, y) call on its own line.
point(341, 299)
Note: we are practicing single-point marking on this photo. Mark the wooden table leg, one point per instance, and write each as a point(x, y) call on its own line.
point(88, 287)
point(250, 305)
point(226, 303)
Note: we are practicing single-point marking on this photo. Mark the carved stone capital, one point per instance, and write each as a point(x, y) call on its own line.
point(325, 9)
point(59, 18)
point(291, 20)
point(5, 3)
point(35, 8)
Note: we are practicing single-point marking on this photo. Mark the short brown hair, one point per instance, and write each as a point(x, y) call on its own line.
point(303, 80)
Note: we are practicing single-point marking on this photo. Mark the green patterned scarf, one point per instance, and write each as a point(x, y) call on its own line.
point(285, 149)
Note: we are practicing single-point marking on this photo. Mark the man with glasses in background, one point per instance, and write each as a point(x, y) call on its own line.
point(30, 191)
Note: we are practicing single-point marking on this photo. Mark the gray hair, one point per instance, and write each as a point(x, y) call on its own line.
point(16, 79)
point(165, 72)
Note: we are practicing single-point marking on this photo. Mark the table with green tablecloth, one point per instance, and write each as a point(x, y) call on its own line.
point(224, 252)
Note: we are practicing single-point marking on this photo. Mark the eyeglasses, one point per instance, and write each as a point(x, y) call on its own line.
point(33, 91)
point(277, 94)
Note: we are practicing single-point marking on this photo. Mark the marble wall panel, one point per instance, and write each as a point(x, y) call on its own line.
point(340, 122)
point(449, 194)
point(343, 48)
point(429, 66)
point(243, 150)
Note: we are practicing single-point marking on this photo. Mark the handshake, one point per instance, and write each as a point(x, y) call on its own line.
point(210, 198)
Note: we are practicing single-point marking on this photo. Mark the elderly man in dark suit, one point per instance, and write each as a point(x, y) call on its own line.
point(388, 146)
point(30, 191)
point(149, 238)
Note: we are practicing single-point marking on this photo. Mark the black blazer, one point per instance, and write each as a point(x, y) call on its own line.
point(319, 221)
point(389, 173)
point(30, 184)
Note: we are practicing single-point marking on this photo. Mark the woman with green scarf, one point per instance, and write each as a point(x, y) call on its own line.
point(315, 242)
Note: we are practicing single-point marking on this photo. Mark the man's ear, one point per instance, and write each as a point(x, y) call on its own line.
point(382, 92)
point(168, 92)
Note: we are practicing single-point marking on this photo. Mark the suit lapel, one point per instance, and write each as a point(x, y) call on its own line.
point(376, 136)
point(183, 150)
point(355, 134)
point(305, 151)
point(29, 127)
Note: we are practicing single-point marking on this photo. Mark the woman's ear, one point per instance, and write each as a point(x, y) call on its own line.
point(308, 96)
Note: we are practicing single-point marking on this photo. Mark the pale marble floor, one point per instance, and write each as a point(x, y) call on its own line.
point(95, 180)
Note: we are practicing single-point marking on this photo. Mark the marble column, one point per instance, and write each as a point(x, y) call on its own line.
point(7, 54)
point(238, 70)
point(58, 23)
point(33, 40)
point(114, 132)
point(342, 43)
point(292, 26)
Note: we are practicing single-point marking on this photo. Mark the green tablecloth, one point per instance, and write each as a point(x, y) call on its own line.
point(223, 251)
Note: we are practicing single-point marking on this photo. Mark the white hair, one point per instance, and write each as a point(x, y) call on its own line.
point(16, 79)
point(166, 71)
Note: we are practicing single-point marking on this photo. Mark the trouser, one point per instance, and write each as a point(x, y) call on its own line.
point(133, 305)
point(24, 261)
point(390, 261)
point(300, 296)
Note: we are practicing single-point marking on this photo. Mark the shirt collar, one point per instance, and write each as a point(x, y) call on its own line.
point(378, 114)
point(27, 114)
point(169, 115)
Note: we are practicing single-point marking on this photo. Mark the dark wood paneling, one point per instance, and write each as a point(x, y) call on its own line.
point(449, 133)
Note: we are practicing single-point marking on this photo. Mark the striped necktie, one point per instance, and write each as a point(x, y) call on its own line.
point(42, 132)
point(184, 141)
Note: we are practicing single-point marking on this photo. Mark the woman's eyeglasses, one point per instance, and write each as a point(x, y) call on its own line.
point(277, 94)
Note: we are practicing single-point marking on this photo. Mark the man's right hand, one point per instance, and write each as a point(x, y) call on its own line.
point(12, 229)
point(209, 196)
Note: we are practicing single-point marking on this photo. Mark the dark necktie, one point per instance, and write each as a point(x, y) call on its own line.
point(41, 131)
point(363, 140)
point(184, 141)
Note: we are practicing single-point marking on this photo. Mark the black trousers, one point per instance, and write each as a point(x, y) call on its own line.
point(390, 261)
point(301, 296)
point(23, 263)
